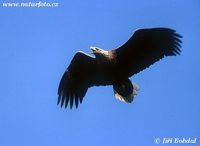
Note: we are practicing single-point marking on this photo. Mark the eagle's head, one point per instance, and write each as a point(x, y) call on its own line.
point(99, 53)
point(96, 50)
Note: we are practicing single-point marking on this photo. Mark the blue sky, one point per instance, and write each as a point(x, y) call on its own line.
point(37, 44)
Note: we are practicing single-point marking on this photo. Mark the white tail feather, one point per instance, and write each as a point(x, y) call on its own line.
point(130, 97)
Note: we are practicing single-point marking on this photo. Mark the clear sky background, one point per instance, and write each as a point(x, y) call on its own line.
point(37, 44)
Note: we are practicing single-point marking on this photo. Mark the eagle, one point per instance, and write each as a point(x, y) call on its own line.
point(115, 67)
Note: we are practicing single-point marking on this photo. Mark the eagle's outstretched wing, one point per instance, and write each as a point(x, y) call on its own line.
point(145, 47)
point(82, 73)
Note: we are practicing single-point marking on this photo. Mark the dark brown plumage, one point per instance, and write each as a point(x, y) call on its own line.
point(114, 67)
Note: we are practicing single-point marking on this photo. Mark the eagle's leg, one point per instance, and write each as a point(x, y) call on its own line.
point(125, 90)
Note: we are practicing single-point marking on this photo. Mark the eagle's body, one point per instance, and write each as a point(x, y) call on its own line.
point(114, 67)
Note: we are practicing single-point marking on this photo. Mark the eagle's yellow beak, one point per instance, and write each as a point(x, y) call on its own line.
point(94, 49)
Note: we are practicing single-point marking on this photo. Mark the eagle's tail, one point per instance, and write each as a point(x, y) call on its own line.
point(125, 91)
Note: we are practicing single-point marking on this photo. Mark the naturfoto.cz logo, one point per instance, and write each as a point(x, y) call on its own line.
point(39, 4)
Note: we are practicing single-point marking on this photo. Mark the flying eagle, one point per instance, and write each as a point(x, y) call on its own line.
point(114, 67)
